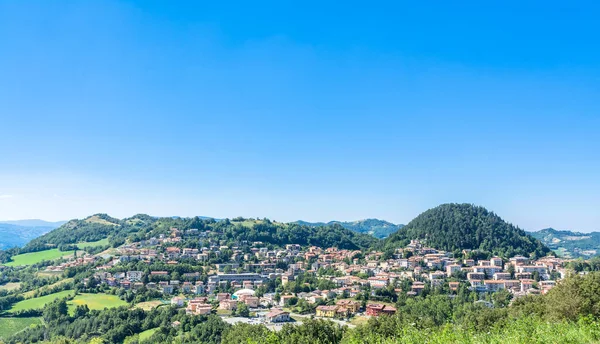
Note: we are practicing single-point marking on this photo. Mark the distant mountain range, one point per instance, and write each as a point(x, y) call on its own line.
point(34, 223)
point(378, 228)
point(570, 244)
point(18, 233)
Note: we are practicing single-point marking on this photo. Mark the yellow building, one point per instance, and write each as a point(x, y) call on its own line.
point(326, 311)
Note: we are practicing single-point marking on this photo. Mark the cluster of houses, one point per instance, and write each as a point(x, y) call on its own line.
point(73, 262)
point(250, 268)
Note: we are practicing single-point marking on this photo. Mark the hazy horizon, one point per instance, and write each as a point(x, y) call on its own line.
point(287, 112)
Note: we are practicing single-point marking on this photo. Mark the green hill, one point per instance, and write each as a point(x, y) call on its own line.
point(140, 227)
point(90, 229)
point(570, 244)
point(453, 227)
point(378, 228)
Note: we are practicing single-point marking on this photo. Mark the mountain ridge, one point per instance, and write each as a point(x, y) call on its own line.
point(34, 223)
point(570, 244)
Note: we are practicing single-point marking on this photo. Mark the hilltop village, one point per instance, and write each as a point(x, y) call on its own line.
point(276, 284)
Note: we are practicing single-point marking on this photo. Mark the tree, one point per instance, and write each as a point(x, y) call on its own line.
point(243, 310)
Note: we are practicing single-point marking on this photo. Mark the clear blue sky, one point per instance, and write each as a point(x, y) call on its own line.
point(308, 111)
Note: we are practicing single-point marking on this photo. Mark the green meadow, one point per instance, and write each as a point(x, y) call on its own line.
point(102, 242)
point(96, 301)
point(10, 326)
point(36, 257)
point(39, 302)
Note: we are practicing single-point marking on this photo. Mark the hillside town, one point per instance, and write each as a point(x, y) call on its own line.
point(258, 278)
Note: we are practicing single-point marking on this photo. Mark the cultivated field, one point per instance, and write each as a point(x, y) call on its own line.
point(36, 257)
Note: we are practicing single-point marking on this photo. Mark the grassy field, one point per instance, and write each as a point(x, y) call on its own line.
point(102, 242)
point(48, 274)
point(359, 320)
point(96, 301)
point(10, 326)
point(36, 257)
point(148, 305)
point(147, 334)
point(10, 286)
point(39, 302)
point(30, 294)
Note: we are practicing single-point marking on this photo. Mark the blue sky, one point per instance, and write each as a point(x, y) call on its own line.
point(305, 110)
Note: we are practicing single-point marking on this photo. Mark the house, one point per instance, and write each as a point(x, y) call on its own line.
point(378, 282)
point(228, 305)
point(223, 296)
point(203, 309)
point(134, 276)
point(453, 285)
point(173, 252)
point(417, 287)
point(277, 315)
point(351, 305)
point(502, 275)
point(496, 261)
point(326, 311)
point(177, 301)
point(166, 287)
point(494, 285)
point(251, 301)
point(379, 309)
point(186, 287)
point(285, 299)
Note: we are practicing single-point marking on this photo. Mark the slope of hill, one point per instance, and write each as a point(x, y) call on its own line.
point(453, 227)
point(570, 244)
point(378, 228)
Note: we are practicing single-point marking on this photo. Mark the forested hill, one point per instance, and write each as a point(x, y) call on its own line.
point(570, 244)
point(141, 227)
point(378, 228)
point(92, 228)
point(454, 227)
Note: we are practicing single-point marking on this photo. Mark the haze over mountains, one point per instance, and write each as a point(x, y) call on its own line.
point(18, 233)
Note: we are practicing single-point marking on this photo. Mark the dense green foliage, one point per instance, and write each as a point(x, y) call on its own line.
point(454, 227)
point(378, 228)
point(570, 244)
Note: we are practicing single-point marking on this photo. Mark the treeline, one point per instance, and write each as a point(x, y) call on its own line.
point(281, 234)
point(454, 227)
